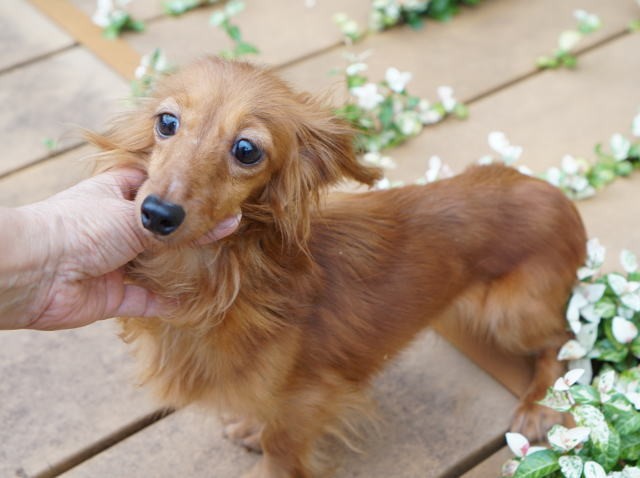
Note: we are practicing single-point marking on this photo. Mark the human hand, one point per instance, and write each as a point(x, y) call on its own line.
point(67, 270)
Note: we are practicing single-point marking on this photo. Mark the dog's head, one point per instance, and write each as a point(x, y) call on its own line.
point(220, 139)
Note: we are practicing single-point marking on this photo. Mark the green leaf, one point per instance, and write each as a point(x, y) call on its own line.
point(538, 465)
point(234, 32)
point(630, 448)
point(591, 417)
point(624, 168)
point(461, 111)
point(244, 48)
point(606, 351)
point(386, 113)
point(585, 394)
point(607, 452)
point(606, 308)
point(558, 401)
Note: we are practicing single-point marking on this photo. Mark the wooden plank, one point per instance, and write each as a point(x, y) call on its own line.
point(481, 49)
point(46, 178)
point(26, 34)
point(490, 468)
point(438, 410)
point(116, 52)
point(281, 37)
point(53, 98)
point(553, 114)
point(61, 392)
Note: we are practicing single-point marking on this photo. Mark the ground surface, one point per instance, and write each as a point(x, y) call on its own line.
point(68, 404)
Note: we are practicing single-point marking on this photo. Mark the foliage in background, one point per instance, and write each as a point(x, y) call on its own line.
point(222, 19)
point(385, 114)
point(604, 314)
point(388, 13)
point(178, 7)
point(114, 19)
point(151, 68)
point(567, 41)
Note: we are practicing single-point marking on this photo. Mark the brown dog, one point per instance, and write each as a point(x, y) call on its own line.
point(285, 319)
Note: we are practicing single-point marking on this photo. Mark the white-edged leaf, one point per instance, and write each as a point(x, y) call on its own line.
point(584, 364)
point(593, 292)
point(571, 466)
point(588, 335)
point(631, 300)
point(618, 283)
point(565, 439)
point(517, 443)
point(594, 470)
point(629, 261)
point(623, 330)
point(572, 350)
point(577, 302)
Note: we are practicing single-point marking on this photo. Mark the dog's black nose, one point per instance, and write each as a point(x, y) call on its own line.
point(161, 217)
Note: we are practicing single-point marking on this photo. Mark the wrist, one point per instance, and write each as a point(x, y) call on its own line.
point(27, 265)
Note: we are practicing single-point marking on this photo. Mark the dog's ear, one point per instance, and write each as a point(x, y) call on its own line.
point(326, 147)
point(127, 142)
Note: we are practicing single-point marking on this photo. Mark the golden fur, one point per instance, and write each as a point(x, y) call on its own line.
point(283, 323)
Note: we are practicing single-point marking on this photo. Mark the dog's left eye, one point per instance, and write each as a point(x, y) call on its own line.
point(246, 152)
point(167, 125)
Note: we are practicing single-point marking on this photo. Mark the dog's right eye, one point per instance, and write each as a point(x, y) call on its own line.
point(167, 125)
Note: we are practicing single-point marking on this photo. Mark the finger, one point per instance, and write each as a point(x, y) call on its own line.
point(127, 181)
point(139, 302)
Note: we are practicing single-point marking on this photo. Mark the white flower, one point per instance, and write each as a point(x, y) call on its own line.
point(571, 377)
point(620, 146)
point(446, 98)
point(566, 439)
point(629, 261)
point(636, 124)
point(102, 16)
point(437, 170)
point(623, 330)
point(627, 291)
point(568, 39)
point(430, 116)
point(368, 96)
point(594, 470)
point(355, 68)
point(377, 159)
point(572, 350)
point(500, 144)
point(569, 164)
point(384, 183)
point(408, 122)
point(519, 445)
point(595, 258)
point(588, 22)
point(554, 176)
point(582, 304)
point(397, 80)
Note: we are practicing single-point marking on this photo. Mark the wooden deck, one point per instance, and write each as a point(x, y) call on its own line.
point(68, 401)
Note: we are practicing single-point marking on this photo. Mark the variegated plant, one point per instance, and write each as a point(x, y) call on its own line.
point(113, 18)
point(385, 114)
point(563, 55)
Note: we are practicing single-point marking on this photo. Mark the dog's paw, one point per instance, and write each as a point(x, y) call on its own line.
point(533, 421)
point(244, 432)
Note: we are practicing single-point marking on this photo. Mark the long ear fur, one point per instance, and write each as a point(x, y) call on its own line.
point(323, 154)
point(127, 142)
point(327, 147)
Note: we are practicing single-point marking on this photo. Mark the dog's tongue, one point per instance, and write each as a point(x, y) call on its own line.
point(223, 229)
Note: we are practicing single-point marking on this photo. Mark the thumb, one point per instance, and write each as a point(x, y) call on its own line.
point(139, 302)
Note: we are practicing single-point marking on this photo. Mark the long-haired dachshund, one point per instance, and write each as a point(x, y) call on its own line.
point(283, 321)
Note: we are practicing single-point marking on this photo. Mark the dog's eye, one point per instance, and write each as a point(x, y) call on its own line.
point(167, 125)
point(246, 152)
